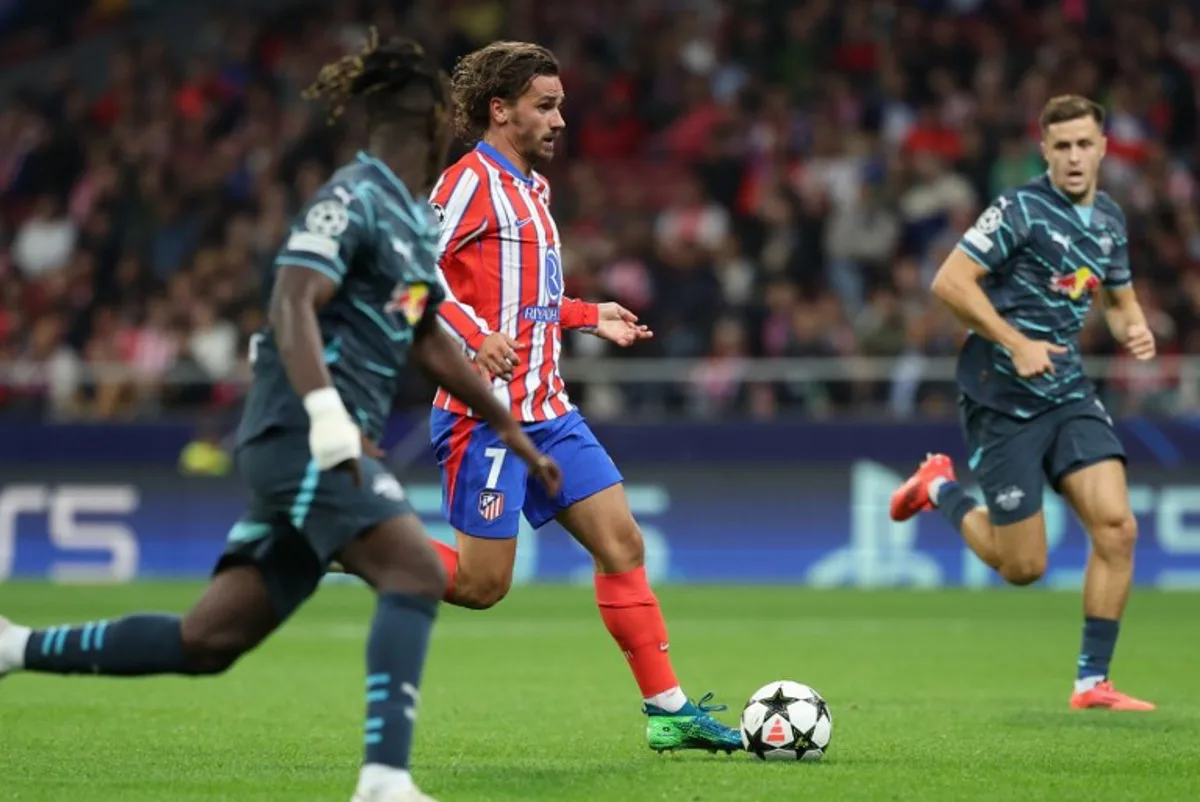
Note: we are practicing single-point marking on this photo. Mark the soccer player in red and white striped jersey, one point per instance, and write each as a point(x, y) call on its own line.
point(503, 275)
point(500, 252)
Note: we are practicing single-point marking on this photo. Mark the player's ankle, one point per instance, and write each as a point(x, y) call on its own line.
point(13, 641)
point(934, 488)
point(672, 700)
point(376, 777)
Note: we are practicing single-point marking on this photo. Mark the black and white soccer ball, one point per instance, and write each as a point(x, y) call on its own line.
point(786, 721)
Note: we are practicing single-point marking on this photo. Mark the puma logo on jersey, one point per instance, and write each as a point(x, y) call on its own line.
point(1061, 239)
point(403, 248)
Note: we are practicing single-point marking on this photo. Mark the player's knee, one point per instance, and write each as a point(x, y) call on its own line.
point(420, 573)
point(1023, 570)
point(209, 650)
point(624, 549)
point(1115, 540)
point(480, 592)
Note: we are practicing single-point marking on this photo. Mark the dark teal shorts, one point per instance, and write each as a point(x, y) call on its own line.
point(1011, 458)
point(299, 518)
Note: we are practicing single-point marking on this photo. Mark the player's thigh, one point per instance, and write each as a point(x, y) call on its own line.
point(484, 572)
point(587, 469)
point(234, 615)
point(1006, 460)
point(591, 504)
point(1087, 465)
point(604, 525)
point(1099, 494)
point(262, 548)
point(323, 511)
point(395, 556)
point(483, 484)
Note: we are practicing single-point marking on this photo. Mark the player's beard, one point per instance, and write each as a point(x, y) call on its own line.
point(534, 148)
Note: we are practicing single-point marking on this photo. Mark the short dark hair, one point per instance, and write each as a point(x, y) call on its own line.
point(1065, 108)
point(396, 81)
point(503, 70)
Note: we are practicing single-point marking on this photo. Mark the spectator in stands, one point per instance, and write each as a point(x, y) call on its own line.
point(773, 179)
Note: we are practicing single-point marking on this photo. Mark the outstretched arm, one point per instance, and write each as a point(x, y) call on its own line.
point(576, 314)
point(608, 321)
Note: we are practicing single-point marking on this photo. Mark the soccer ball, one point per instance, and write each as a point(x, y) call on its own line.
point(786, 721)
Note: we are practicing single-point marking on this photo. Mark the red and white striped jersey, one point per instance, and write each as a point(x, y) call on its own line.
point(502, 270)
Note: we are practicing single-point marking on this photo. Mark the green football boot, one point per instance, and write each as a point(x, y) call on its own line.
point(691, 727)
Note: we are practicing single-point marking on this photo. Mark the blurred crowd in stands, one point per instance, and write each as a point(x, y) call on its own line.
point(776, 181)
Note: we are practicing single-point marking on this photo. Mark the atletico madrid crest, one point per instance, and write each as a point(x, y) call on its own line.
point(491, 504)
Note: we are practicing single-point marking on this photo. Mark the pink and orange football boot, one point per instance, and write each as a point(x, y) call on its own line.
point(913, 496)
point(1104, 696)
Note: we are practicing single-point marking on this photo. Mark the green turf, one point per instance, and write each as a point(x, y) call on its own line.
point(950, 695)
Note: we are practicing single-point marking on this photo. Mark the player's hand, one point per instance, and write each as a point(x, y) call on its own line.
point(543, 467)
point(1034, 357)
point(618, 325)
point(498, 356)
point(548, 473)
point(333, 439)
point(370, 449)
point(1139, 340)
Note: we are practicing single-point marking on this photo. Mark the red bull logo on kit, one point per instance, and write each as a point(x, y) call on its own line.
point(1075, 285)
point(410, 301)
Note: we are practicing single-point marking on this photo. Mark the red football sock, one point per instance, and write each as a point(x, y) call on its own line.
point(632, 615)
point(450, 562)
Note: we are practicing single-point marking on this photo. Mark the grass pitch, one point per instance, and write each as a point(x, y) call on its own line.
point(935, 695)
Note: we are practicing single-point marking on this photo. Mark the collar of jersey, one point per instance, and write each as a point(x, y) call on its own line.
point(502, 160)
point(388, 174)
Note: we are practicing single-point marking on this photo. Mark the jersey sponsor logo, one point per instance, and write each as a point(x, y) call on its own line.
point(328, 218)
point(491, 504)
point(409, 300)
point(540, 314)
point(554, 275)
point(1075, 285)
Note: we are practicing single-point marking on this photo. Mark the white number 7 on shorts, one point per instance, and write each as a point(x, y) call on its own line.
point(496, 455)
